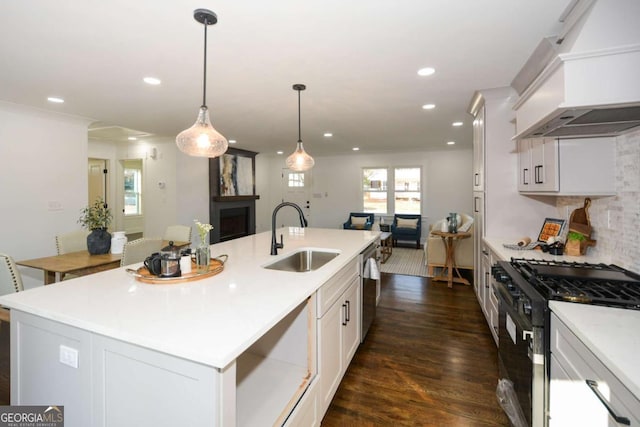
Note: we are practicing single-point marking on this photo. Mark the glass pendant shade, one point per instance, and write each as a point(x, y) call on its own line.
point(299, 160)
point(201, 139)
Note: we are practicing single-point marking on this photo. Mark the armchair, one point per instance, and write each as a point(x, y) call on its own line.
point(406, 227)
point(435, 252)
point(359, 221)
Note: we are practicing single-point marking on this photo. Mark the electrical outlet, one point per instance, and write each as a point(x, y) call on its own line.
point(69, 356)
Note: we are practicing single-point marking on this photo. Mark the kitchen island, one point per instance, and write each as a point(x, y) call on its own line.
point(97, 344)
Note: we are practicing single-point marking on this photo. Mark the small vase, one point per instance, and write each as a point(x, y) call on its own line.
point(453, 222)
point(203, 258)
point(99, 241)
point(117, 242)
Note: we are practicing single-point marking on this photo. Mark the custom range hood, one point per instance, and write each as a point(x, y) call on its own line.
point(585, 81)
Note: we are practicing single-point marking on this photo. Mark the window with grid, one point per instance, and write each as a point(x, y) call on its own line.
point(403, 197)
point(374, 189)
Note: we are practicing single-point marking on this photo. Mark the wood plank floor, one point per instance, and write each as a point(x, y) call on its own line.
point(428, 360)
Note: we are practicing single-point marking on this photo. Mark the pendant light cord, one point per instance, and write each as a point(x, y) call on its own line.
point(204, 85)
point(299, 131)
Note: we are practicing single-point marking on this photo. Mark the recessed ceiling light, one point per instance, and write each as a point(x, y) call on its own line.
point(356, 148)
point(152, 81)
point(427, 71)
point(132, 138)
point(451, 143)
point(232, 141)
point(55, 99)
point(279, 152)
point(328, 135)
point(428, 106)
point(456, 124)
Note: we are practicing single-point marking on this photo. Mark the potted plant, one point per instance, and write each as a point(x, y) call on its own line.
point(97, 217)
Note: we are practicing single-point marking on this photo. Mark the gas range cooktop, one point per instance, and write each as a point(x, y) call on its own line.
point(586, 283)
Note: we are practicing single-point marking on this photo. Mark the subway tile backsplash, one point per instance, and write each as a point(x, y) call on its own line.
point(616, 220)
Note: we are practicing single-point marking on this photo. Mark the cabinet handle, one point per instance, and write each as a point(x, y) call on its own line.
point(348, 310)
point(594, 388)
point(475, 204)
point(344, 314)
point(486, 279)
point(525, 175)
point(538, 174)
point(476, 179)
point(485, 252)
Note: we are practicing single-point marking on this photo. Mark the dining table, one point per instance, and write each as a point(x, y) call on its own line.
point(78, 263)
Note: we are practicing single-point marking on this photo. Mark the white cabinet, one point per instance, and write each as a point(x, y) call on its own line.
point(581, 166)
point(538, 164)
point(484, 290)
point(478, 150)
point(583, 391)
point(338, 337)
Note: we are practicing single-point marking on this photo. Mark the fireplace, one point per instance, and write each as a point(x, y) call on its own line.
point(232, 218)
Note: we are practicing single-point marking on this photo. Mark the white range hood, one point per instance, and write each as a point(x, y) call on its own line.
point(594, 88)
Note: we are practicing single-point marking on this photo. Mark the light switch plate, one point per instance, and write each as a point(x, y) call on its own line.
point(69, 356)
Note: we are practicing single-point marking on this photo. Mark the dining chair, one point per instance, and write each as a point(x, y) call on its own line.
point(72, 241)
point(138, 250)
point(178, 233)
point(10, 281)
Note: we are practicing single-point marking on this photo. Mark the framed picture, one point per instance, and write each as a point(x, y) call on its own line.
point(552, 227)
point(233, 174)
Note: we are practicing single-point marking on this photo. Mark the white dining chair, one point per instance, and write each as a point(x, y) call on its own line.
point(72, 241)
point(10, 281)
point(138, 250)
point(178, 233)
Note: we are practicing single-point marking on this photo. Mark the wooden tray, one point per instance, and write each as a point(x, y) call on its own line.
point(216, 265)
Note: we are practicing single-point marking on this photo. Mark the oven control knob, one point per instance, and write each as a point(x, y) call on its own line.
point(526, 306)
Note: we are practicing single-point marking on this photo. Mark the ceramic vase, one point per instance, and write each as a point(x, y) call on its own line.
point(99, 241)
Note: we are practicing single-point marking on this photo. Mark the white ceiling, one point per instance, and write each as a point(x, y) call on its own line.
point(358, 58)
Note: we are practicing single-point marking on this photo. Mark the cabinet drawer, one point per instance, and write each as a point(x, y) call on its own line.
point(334, 287)
point(580, 364)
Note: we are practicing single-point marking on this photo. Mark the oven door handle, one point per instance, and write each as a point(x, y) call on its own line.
point(594, 388)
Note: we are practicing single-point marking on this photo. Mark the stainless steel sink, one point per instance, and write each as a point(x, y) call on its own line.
point(303, 260)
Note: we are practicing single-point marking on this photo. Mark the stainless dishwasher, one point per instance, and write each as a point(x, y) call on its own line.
point(369, 285)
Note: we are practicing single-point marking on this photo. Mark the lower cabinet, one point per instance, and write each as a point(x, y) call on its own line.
point(484, 290)
point(583, 391)
point(338, 340)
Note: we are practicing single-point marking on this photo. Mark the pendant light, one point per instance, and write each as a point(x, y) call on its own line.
point(299, 160)
point(202, 139)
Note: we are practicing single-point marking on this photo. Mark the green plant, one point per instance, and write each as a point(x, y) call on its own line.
point(95, 216)
point(576, 236)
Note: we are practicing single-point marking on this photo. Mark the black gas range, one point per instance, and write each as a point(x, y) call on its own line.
point(524, 288)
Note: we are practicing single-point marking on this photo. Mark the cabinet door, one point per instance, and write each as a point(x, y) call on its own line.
point(544, 164)
point(524, 165)
point(330, 330)
point(478, 234)
point(351, 323)
point(478, 151)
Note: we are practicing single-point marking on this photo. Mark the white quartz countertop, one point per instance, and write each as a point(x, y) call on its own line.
point(497, 245)
point(610, 333)
point(210, 321)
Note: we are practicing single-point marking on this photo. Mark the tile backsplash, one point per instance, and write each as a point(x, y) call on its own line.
point(616, 220)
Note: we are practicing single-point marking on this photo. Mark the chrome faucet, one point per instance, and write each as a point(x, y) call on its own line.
point(303, 223)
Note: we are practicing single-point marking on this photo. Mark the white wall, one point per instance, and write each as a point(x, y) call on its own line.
point(337, 184)
point(43, 161)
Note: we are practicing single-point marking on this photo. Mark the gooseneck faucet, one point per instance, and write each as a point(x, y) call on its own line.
point(303, 223)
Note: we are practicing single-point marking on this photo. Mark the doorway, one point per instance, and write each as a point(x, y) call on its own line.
point(296, 188)
point(98, 182)
point(130, 198)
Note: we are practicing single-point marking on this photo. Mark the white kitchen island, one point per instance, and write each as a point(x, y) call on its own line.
point(115, 351)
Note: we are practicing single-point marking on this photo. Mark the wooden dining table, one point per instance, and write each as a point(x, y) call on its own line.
point(78, 263)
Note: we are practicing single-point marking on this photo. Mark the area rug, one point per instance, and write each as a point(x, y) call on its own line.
point(405, 261)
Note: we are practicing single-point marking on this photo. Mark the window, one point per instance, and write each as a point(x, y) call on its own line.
point(404, 197)
point(132, 190)
point(296, 179)
point(374, 186)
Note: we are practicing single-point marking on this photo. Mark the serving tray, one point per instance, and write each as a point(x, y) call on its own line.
point(216, 265)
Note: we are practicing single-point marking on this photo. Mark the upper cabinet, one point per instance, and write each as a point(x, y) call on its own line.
point(478, 150)
point(581, 166)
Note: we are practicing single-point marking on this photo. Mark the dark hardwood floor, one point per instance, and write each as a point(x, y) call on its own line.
point(428, 360)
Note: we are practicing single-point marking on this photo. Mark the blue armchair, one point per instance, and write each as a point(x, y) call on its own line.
point(359, 221)
point(406, 227)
